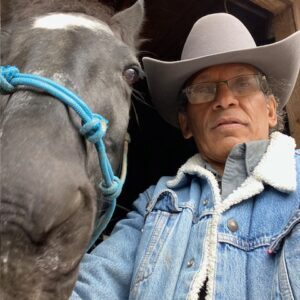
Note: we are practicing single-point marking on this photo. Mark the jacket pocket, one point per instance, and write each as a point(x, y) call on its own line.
point(155, 233)
point(162, 211)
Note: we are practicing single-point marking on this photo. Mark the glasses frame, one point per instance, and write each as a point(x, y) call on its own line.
point(261, 80)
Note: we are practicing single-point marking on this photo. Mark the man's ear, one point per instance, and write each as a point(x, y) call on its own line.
point(272, 111)
point(184, 125)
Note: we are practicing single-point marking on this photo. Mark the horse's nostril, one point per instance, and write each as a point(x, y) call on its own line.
point(61, 206)
point(31, 244)
point(39, 216)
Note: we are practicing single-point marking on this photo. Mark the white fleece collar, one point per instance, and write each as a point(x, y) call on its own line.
point(276, 168)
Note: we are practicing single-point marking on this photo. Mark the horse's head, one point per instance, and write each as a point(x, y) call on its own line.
point(49, 172)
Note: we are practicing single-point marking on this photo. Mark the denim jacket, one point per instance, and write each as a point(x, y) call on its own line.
point(181, 236)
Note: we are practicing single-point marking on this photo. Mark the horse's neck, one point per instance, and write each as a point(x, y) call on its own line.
point(18, 10)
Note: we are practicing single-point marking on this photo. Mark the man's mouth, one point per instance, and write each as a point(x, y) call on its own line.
point(226, 122)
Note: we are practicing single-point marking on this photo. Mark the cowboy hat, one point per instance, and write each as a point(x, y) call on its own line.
point(217, 39)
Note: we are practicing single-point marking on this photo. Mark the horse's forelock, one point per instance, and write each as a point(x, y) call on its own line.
point(70, 21)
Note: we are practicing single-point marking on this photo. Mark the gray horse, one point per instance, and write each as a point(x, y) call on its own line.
point(49, 172)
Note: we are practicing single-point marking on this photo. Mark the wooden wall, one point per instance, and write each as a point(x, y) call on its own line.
point(286, 20)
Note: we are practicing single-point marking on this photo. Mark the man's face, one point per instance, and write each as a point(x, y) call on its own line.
point(218, 125)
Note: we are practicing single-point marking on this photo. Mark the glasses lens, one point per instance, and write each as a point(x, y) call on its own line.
point(201, 92)
point(244, 85)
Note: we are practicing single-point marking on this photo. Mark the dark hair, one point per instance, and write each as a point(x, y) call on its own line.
point(276, 87)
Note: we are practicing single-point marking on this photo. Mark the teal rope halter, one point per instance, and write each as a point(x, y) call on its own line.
point(94, 127)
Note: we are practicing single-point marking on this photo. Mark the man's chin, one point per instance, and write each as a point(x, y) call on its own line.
point(221, 147)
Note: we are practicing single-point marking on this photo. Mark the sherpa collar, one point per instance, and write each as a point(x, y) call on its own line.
point(276, 168)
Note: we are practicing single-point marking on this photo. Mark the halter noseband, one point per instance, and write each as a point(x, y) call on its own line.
point(93, 128)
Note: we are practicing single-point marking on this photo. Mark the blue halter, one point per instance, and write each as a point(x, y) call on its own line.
point(94, 127)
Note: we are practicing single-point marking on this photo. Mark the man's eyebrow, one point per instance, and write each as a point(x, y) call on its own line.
point(245, 69)
point(202, 77)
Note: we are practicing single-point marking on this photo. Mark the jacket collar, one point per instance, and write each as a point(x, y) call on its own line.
point(276, 168)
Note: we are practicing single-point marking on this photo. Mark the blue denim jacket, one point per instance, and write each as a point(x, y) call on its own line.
point(181, 234)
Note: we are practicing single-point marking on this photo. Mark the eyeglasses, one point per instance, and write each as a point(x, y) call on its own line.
point(240, 86)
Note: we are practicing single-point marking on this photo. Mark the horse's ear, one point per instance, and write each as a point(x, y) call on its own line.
point(127, 23)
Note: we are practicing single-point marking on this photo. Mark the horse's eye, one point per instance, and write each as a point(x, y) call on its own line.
point(132, 74)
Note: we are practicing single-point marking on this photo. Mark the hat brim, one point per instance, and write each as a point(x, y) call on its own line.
point(279, 61)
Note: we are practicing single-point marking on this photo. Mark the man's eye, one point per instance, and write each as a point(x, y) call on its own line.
point(243, 83)
point(202, 89)
point(132, 74)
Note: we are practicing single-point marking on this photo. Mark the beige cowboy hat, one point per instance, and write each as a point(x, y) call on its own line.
point(217, 39)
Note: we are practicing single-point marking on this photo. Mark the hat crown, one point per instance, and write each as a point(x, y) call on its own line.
point(216, 33)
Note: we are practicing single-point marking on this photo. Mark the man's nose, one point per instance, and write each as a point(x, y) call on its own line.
point(224, 97)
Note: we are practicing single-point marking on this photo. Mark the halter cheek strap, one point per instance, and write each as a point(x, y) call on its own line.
point(94, 127)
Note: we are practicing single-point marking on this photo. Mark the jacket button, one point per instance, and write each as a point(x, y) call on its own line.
point(232, 225)
point(190, 263)
point(205, 202)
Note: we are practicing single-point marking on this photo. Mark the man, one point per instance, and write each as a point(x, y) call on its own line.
point(227, 226)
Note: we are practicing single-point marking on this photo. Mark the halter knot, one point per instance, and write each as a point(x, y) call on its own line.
point(94, 129)
point(113, 191)
point(7, 74)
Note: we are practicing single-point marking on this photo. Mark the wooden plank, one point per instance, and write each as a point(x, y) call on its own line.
point(293, 113)
point(274, 6)
point(296, 10)
point(283, 25)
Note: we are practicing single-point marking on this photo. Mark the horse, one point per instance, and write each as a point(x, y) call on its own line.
point(49, 172)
